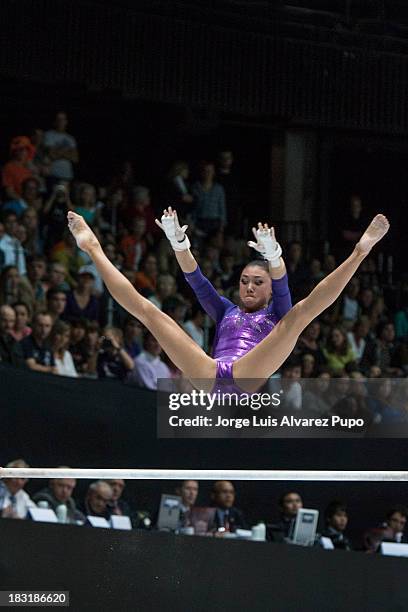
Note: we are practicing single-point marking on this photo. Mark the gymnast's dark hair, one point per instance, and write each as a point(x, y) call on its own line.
point(261, 263)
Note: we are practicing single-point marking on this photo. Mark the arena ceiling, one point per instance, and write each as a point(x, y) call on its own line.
point(365, 23)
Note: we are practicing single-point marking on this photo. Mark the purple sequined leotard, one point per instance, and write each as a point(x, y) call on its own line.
point(237, 332)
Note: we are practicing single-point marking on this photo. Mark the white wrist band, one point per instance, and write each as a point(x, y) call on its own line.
point(275, 260)
point(170, 229)
point(184, 245)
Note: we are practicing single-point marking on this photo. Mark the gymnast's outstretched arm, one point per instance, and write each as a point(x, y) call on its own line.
point(212, 303)
point(267, 245)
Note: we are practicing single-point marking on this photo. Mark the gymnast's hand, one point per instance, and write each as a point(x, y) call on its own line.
point(174, 233)
point(266, 244)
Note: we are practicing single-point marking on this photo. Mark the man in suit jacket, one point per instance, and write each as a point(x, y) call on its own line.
point(227, 517)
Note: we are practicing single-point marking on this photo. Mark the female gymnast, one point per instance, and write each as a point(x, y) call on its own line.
point(251, 342)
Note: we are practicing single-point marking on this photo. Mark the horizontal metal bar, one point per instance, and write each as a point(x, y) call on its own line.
point(191, 474)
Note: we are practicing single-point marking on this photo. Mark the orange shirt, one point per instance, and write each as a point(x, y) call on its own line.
point(133, 250)
point(144, 282)
point(14, 174)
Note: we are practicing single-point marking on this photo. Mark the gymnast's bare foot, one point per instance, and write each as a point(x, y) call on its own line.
point(377, 229)
point(84, 236)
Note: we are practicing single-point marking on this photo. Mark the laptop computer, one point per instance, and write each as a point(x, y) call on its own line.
point(169, 513)
point(304, 532)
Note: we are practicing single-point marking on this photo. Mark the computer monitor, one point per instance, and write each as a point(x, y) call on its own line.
point(169, 513)
point(304, 532)
point(394, 549)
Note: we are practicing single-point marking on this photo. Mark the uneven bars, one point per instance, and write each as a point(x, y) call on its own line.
point(191, 474)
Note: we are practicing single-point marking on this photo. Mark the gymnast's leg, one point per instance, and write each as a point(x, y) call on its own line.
point(267, 357)
point(181, 349)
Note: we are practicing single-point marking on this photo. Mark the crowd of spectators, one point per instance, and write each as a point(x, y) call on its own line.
point(219, 517)
point(57, 317)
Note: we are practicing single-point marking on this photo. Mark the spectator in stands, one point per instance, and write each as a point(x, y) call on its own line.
point(195, 325)
point(315, 398)
point(298, 273)
point(140, 519)
point(348, 307)
point(66, 253)
point(36, 273)
point(291, 371)
point(14, 288)
point(36, 349)
point(329, 263)
point(338, 352)
point(381, 403)
point(227, 517)
point(146, 279)
point(10, 350)
point(112, 203)
point(391, 530)
point(308, 365)
point(166, 287)
point(289, 505)
point(134, 245)
point(401, 318)
point(379, 313)
point(357, 337)
point(316, 271)
point(336, 521)
point(369, 274)
point(124, 180)
point(41, 160)
point(33, 245)
point(21, 235)
point(59, 340)
point(18, 169)
point(133, 337)
point(10, 245)
point(366, 300)
point(176, 193)
point(81, 303)
point(98, 500)
point(140, 206)
point(54, 215)
point(118, 505)
point(78, 346)
point(21, 327)
point(148, 366)
point(210, 211)
point(188, 491)
point(355, 404)
point(176, 307)
point(87, 205)
point(2, 255)
point(56, 277)
point(56, 303)
point(309, 343)
point(229, 181)
point(30, 198)
point(353, 225)
point(228, 269)
point(92, 345)
point(59, 491)
point(14, 501)
point(384, 352)
point(113, 361)
point(62, 150)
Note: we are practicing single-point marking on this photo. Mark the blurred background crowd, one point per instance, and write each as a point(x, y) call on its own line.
point(57, 317)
